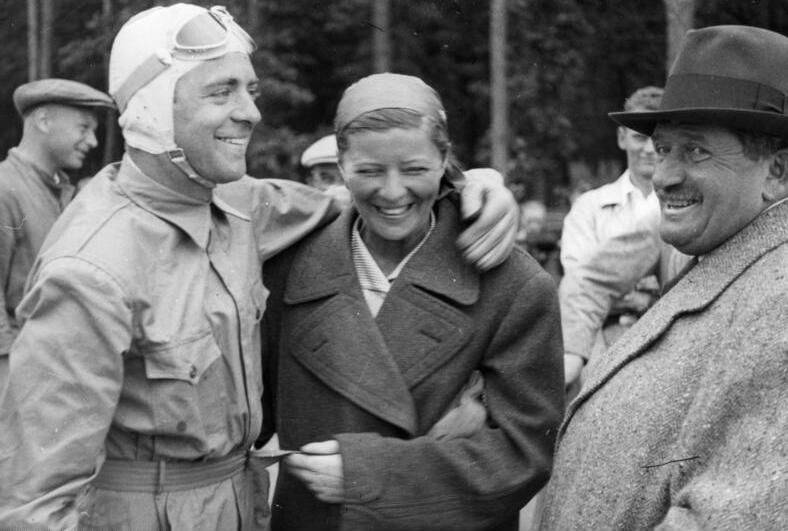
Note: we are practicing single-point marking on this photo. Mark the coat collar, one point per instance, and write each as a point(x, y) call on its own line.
point(693, 293)
point(325, 266)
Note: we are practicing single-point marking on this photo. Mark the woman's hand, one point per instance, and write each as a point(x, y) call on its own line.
point(494, 217)
point(319, 467)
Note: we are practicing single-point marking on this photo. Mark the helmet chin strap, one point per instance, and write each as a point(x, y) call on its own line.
point(178, 157)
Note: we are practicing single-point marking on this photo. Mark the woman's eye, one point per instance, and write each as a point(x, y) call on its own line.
point(368, 172)
point(662, 150)
point(416, 170)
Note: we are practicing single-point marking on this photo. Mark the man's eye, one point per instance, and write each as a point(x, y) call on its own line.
point(697, 153)
point(254, 92)
point(222, 93)
point(662, 151)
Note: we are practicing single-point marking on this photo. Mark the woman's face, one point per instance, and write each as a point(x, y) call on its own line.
point(393, 177)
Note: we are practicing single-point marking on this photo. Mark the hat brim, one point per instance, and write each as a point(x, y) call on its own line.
point(769, 123)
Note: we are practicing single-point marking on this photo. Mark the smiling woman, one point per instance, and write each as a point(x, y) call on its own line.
point(383, 340)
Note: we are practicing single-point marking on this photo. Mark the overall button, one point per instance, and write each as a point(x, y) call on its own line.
point(193, 372)
point(181, 427)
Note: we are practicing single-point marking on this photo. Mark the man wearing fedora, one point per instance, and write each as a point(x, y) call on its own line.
point(59, 125)
point(682, 424)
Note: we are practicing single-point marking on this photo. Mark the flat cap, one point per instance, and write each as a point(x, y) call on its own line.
point(63, 91)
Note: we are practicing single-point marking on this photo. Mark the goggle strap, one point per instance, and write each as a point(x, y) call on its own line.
point(141, 76)
point(178, 158)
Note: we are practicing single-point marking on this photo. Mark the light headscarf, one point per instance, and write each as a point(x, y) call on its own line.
point(387, 91)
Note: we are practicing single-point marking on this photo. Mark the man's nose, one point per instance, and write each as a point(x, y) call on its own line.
point(648, 147)
point(668, 172)
point(90, 139)
point(247, 111)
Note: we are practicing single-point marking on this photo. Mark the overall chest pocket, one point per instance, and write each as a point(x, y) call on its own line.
point(187, 386)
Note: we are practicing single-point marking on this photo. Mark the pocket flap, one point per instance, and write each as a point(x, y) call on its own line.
point(185, 361)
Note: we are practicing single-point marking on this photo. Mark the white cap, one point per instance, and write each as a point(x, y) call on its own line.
point(324, 151)
point(144, 49)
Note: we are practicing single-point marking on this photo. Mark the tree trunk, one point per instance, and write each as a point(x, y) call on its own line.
point(111, 121)
point(47, 34)
point(253, 18)
point(680, 16)
point(32, 40)
point(499, 129)
point(381, 35)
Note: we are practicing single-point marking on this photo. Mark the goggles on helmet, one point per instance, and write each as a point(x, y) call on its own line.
point(205, 36)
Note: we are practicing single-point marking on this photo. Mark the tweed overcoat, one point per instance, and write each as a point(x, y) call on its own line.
point(683, 423)
point(378, 385)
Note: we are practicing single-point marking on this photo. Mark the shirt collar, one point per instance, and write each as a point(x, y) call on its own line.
point(621, 191)
point(191, 215)
point(56, 180)
point(369, 274)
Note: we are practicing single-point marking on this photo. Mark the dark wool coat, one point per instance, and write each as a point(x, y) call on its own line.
point(683, 423)
point(378, 385)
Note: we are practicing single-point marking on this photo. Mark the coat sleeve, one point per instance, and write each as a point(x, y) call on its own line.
point(736, 471)
point(66, 374)
point(482, 480)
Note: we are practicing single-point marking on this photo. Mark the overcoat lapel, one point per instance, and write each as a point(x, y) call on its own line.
point(376, 362)
point(697, 290)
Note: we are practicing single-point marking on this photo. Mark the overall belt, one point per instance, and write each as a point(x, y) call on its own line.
point(167, 476)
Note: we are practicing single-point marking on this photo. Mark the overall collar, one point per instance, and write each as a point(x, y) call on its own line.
point(191, 215)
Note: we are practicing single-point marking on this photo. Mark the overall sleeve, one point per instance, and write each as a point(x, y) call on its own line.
point(484, 479)
point(282, 211)
point(611, 270)
point(66, 374)
point(736, 472)
point(9, 225)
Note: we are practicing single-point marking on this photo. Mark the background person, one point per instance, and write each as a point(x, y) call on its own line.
point(682, 424)
point(377, 324)
point(59, 119)
point(320, 161)
point(595, 217)
point(135, 381)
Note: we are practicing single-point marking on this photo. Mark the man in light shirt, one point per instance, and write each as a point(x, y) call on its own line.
point(597, 216)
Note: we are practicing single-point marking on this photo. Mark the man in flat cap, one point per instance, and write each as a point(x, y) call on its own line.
point(59, 125)
point(682, 424)
point(141, 326)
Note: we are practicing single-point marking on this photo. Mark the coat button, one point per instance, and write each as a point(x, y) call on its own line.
point(193, 372)
point(181, 427)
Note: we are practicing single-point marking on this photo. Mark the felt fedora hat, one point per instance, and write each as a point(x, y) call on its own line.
point(733, 76)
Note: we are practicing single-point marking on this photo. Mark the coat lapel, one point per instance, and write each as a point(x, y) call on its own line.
point(355, 363)
point(697, 290)
point(419, 319)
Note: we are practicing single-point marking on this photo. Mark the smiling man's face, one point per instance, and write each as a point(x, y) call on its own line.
point(214, 113)
point(708, 189)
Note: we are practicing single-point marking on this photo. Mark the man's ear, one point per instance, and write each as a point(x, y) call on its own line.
point(621, 135)
point(775, 187)
point(42, 118)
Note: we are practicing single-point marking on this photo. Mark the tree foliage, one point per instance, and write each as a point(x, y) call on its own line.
point(570, 62)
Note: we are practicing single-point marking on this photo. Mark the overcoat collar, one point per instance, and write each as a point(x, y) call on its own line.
point(325, 265)
point(375, 363)
point(693, 293)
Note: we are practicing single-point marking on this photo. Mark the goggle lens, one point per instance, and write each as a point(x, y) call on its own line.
point(205, 31)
